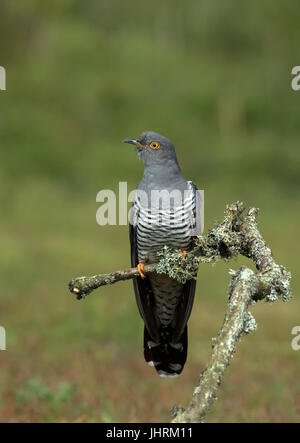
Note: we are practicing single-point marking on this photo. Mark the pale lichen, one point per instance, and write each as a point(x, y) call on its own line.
point(250, 324)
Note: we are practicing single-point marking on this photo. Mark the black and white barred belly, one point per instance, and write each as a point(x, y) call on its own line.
point(172, 225)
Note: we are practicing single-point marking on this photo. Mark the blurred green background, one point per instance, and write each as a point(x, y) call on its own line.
point(81, 76)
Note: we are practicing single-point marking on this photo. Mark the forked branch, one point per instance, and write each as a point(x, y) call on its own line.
point(236, 234)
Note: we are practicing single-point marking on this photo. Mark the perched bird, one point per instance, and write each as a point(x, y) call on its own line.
point(165, 211)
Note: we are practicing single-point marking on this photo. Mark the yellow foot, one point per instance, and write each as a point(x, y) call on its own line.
point(140, 268)
point(183, 254)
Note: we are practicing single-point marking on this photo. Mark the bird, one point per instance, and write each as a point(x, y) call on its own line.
point(165, 212)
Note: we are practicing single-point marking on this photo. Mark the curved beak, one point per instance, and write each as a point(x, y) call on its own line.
point(134, 141)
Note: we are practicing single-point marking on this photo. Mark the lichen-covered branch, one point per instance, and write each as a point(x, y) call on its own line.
point(236, 234)
point(82, 286)
point(270, 283)
point(237, 322)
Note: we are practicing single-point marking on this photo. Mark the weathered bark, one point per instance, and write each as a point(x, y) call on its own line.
point(237, 322)
point(236, 234)
point(82, 286)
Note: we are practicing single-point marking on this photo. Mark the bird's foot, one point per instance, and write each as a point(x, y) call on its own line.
point(183, 251)
point(140, 268)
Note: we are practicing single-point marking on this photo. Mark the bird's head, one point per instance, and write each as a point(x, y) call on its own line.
point(153, 148)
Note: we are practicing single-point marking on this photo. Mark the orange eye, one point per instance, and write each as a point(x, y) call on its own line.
point(154, 145)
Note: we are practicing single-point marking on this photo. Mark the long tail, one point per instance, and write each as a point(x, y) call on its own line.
point(167, 358)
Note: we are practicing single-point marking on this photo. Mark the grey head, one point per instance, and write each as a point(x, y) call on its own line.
point(158, 154)
point(153, 148)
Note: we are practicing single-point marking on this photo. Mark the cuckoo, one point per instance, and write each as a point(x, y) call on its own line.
point(165, 211)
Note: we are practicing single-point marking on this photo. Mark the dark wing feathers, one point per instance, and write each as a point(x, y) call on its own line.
point(143, 291)
point(186, 302)
point(184, 309)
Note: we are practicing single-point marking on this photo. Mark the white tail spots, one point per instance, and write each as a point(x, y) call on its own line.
point(153, 363)
point(175, 366)
point(167, 374)
point(177, 346)
point(152, 344)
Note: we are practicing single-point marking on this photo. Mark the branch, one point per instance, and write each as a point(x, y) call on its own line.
point(270, 283)
point(82, 286)
point(236, 234)
point(237, 322)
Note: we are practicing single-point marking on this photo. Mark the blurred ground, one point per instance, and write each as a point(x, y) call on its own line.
point(214, 78)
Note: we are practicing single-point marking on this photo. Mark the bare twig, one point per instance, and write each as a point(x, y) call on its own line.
point(234, 235)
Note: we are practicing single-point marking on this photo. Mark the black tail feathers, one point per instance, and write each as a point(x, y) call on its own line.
point(168, 358)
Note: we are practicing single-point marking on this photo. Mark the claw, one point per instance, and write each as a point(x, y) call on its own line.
point(183, 254)
point(140, 268)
